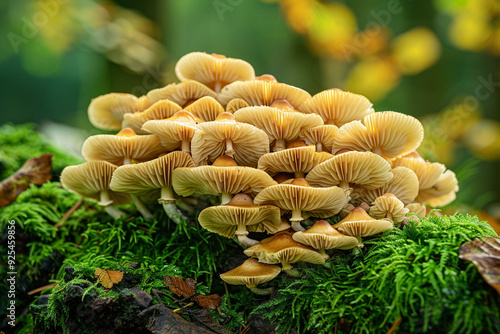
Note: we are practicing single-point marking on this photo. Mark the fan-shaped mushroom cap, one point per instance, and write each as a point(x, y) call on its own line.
point(388, 206)
point(160, 110)
point(297, 160)
point(240, 216)
point(281, 248)
point(121, 148)
point(236, 104)
point(280, 126)
point(359, 224)
point(182, 93)
point(91, 180)
point(321, 136)
point(437, 186)
point(225, 135)
point(364, 169)
point(388, 133)
point(154, 176)
point(262, 93)
point(337, 107)
point(214, 71)
point(404, 185)
point(417, 208)
point(106, 111)
point(174, 132)
point(251, 273)
point(216, 179)
point(323, 236)
point(207, 108)
point(299, 196)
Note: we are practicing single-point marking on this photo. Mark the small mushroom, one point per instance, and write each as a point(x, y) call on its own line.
point(160, 110)
point(390, 207)
point(240, 216)
point(236, 104)
point(322, 236)
point(92, 180)
point(252, 273)
point(321, 136)
point(417, 208)
point(183, 93)
point(207, 108)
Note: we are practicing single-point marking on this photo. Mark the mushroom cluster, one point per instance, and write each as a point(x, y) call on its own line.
point(281, 160)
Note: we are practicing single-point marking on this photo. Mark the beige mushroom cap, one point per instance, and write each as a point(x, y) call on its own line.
point(297, 160)
point(236, 104)
point(280, 126)
point(281, 248)
point(251, 273)
point(91, 180)
point(182, 93)
point(152, 176)
point(388, 206)
point(107, 111)
point(359, 224)
point(206, 108)
point(160, 110)
point(322, 235)
point(214, 180)
point(317, 202)
point(321, 136)
point(175, 131)
point(404, 185)
point(365, 169)
point(244, 142)
point(240, 216)
point(214, 71)
point(417, 208)
point(387, 133)
point(122, 147)
point(337, 107)
point(262, 93)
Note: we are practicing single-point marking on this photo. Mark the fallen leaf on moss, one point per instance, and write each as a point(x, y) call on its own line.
point(108, 277)
point(36, 171)
point(485, 254)
point(186, 289)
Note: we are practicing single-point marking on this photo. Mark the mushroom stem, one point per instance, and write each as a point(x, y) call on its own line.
point(299, 175)
point(226, 198)
point(344, 185)
point(389, 216)
point(319, 147)
point(113, 212)
point(360, 243)
point(377, 150)
point(279, 145)
point(292, 272)
point(262, 292)
point(217, 86)
point(186, 146)
point(323, 252)
point(246, 241)
point(167, 195)
point(229, 148)
point(296, 219)
point(126, 161)
point(105, 200)
point(174, 213)
point(141, 207)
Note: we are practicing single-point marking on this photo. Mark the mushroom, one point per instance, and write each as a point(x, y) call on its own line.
point(322, 236)
point(240, 216)
point(266, 77)
point(225, 136)
point(280, 126)
point(153, 178)
point(281, 248)
point(207, 108)
point(262, 93)
point(214, 71)
point(107, 111)
point(252, 273)
point(321, 136)
point(417, 208)
point(337, 107)
point(183, 93)
point(91, 180)
point(236, 104)
point(300, 197)
point(224, 177)
point(389, 134)
point(359, 224)
point(390, 207)
point(297, 160)
point(160, 110)
point(174, 132)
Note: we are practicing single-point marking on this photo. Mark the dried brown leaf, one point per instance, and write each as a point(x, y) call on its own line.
point(36, 171)
point(186, 289)
point(485, 254)
point(108, 277)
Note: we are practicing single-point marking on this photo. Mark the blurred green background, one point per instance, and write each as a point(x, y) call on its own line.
point(437, 60)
